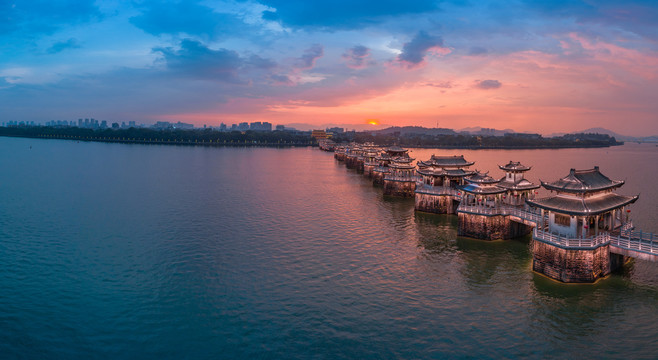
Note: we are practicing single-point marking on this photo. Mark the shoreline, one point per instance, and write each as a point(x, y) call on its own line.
point(312, 143)
point(164, 142)
point(511, 147)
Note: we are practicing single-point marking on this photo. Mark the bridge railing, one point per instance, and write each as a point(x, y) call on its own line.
point(401, 178)
point(626, 229)
point(563, 241)
point(481, 209)
point(437, 190)
point(531, 216)
point(523, 214)
point(636, 240)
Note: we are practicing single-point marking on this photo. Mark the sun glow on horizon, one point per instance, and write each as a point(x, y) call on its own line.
point(373, 122)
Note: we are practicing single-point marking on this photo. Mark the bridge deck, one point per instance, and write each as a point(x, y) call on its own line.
point(635, 243)
point(625, 241)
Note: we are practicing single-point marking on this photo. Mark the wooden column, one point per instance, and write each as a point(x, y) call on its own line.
point(584, 229)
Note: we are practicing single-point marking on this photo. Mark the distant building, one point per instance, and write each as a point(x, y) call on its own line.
point(523, 136)
point(280, 128)
point(336, 130)
point(243, 126)
point(56, 123)
point(183, 126)
point(319, 134)
point(160, 125)
point(260, 126)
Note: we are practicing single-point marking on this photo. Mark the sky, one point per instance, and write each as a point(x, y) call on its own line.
point(530, 66)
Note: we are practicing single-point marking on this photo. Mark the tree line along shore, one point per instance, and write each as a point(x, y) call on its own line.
point(470, 141)
point(212, 137)
point(207, 137)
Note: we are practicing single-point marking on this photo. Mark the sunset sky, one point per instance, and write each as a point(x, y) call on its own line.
point(534, 66)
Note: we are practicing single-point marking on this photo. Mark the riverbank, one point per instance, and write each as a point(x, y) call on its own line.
point(209, 137)
point(112, 250)
point(163, 137)
point(523, 147)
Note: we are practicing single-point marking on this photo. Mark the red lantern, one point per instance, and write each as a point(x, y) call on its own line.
point(461, 193)
point(628, 210)
point(536, 192)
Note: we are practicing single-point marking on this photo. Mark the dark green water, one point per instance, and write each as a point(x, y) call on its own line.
point(133, 251)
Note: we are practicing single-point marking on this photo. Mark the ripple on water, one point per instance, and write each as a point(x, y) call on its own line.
point(275, 253)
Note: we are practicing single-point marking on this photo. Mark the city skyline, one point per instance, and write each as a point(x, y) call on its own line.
point(552, 67)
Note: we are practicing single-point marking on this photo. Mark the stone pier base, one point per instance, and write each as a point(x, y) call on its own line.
point(574, 265)
point(367, 170)
point(378, 177)
point(436, 204)
point(496, 227)
point(359, 166)
point(399, 188)
point(350, 162)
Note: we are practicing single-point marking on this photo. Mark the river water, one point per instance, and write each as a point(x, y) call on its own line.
point(147, 251)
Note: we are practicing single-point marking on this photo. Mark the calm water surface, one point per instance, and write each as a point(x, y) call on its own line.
point(133, 251)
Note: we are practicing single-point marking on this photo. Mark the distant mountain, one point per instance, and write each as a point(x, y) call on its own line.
point(617, 136)
point(478, 130)
point(410, 130)
point(599, 130)
point(347, 127)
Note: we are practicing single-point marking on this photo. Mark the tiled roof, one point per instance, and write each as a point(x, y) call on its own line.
point(514, 166)
point(481, 178)
point(482, 190)
point(580, 181)
point(449, 161)
point(583, 206)
point(443, 172)
point(395, 149)
point(522, 184)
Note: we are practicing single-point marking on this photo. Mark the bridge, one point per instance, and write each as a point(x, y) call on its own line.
point(625, 240)
point(580, 234)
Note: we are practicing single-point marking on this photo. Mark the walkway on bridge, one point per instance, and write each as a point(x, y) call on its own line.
point(625, 240)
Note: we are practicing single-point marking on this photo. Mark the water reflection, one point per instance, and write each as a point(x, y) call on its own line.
point(215, 250)
point(437, 233)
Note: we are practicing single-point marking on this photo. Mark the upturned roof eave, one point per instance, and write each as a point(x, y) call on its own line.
point(538, 204)
point(549, 186)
